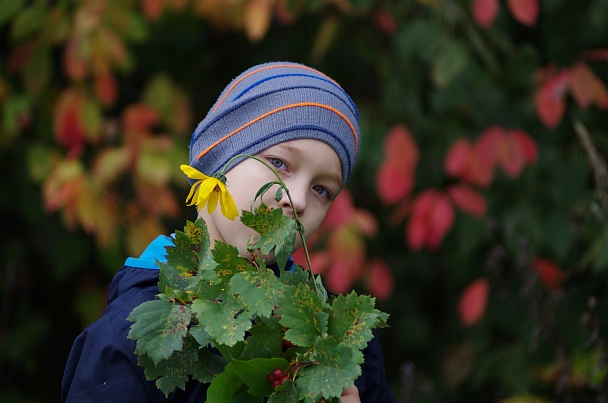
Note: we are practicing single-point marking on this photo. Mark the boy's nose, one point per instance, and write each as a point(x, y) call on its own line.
point(298, 195)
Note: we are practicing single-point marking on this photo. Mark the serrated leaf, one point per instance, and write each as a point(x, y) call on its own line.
point(259, 289)
point(159, 327)
point(189, 245)
point(266, 339)
point(225, 321)
point(208, 366)
point(173, 372)
point(200, 335)
point(189, 266)
point(228, 261)
point(336, 370)
point(285, 393)
point(276, 231)
point(297, 276)
point(301, 311)
point(254, 373)
point(352, 319)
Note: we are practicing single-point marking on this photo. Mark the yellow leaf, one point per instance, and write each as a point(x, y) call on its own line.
point(141, 233)
point(256, 18)
point(110, 164)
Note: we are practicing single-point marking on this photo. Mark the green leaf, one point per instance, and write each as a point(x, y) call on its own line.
point(285, 393)
point(266, 339)
point(224, 386)
point(297, 276)
point(159, 327)
point(28, 21)
point(259, 289)
point(173, 372)
point(37, 71)
point(254, 373)
point(8, 8)
point(302, 312)
point(336, 370)
point(226, 321)
point(352, 318)
point(451, 60)
point(200, 335)
point(276, 231)
point(228, 261)
point(208, 366)
point(261, 192)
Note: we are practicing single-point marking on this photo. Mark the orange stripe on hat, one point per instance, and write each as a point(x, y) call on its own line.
point(337, 112)
point(229, 90)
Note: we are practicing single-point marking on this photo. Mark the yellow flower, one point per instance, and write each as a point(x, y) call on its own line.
point(208, 190)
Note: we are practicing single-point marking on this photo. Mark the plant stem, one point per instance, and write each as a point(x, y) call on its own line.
point(299, 227)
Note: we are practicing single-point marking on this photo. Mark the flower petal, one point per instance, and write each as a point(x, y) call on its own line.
point(214, 198)
point(192, 173)
point(228, 205)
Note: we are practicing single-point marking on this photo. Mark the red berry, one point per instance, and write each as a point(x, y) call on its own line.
point(276, 383)
point(271, 377)
point(278, 373)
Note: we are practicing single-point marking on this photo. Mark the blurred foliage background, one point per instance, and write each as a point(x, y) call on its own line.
point(476, 214)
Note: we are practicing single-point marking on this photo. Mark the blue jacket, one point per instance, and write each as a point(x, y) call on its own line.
point(102, 366)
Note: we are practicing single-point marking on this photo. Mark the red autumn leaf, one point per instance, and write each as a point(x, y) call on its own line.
point(365, 222)
point(468, 162)
point(489, 147)
point(457, 160)
point(524, 11)
point(106, 88)
point(68, 128)
point(549, 273)
point(587, 87)
point(485, 11)
point(20, 56)
point(75, 62)
point(341, 211)
point(432, 217)
point(468, 200)
point(395, 177)
point(473, 301)
point(511, 159)
point(385, 21)
point(139, 118)
point(347, 252)
point(319, 260)
point(526, 144)
point(549, 101)
point(380, 280)
point(153, 8)
point(599, 55)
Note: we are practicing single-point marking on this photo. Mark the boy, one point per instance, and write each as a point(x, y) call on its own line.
point(304, 125)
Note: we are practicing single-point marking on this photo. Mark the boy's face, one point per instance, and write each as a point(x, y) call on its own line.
point(312, 172)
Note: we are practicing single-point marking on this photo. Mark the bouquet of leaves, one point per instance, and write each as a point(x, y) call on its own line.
point(252, 334)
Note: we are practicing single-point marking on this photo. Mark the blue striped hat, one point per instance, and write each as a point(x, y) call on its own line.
point(272, 103)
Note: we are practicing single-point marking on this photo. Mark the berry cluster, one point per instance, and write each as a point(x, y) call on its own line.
point(277, 377)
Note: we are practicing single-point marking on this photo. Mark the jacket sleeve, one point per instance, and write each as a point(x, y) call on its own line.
point(372, 384)
point(103, 368)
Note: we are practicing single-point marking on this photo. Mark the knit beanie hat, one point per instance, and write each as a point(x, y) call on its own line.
point(272, 103)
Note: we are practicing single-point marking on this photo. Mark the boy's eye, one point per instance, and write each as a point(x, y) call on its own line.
point(321, 191)
point(277, 163)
